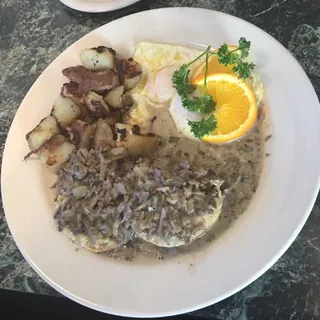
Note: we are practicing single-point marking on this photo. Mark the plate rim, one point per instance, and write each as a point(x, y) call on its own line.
point(255, 276)
point(97, 7)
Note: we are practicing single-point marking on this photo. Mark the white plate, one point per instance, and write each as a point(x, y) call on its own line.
point(97, 5)
point(288, 188)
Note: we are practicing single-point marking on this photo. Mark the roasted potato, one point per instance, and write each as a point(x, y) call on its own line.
point(47, 128)
point(121, 132)
point(98, 58)
point(90, 80)
point(134, 141)
point(86, 114)
point(129, 71)
point(55, 152)
point(71, 90)
point(96, 105)
point(114, 97)
point(82, 133)
point(65, 111)
point(104, 135)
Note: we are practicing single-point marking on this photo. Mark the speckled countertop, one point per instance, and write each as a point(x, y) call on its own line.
point(34, 32)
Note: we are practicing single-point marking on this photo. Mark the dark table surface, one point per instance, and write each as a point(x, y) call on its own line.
point(34, 32)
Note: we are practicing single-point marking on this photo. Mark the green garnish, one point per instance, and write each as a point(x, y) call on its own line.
point(203, 127)
point(204, 103)
point(227, 57)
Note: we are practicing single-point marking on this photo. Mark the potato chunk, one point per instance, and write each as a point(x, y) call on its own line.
point(55, 152)
point(114, 97)
point(98, 58)
point(82, 133)
point(104, 135)
point(136, 143)
point(96, 105)
point(47, 128)
point(90, 80)
point(65, 111)
point(129, 71)
point(71, 90)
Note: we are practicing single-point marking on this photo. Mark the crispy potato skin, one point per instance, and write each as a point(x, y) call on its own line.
point(104, 135)
point(129, 71)
point(46, 129)
point(82, 133)
point(55, 152)
point(89, 111)
point(90, 80)
point(134, 141)
point(96, 105)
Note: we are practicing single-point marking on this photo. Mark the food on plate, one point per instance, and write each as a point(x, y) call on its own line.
point(129, 72)
point(87, 80)
point(45, 130)
point(236, 107)
point(134, 140)
point(93, 179)
point(99, 58)
point(65, 111)
point(139, 146)
point(82, 134)
point(210, 95)
point(55, 152)
point(103, 137)
point(96, 105)
point(114, 98)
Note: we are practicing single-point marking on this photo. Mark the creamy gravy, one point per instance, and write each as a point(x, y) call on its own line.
point(238, 164)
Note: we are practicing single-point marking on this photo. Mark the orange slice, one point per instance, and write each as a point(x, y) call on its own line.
point(213, 67)
point(236, 109)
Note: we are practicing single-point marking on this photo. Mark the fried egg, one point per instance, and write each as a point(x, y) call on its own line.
point(154, 93)
point(159, 61)
point(155, 96)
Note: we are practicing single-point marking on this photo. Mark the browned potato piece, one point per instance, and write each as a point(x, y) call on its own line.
point(65, 111)
point(90, 80)
point(104, 135)
point(136, 143)
point(47, 128)
point(129, 71)
point(55, 152)
point(82, 133)
point(71, 90)
point(98, 58)
point(114, 97)
point(122, 131)
point(96, 105)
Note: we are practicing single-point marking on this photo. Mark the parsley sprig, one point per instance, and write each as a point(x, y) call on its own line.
point(234, 57)
point(204, 103)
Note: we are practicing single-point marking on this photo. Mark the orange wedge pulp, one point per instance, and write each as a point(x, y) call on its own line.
point(213, 67)
point(236, 109)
